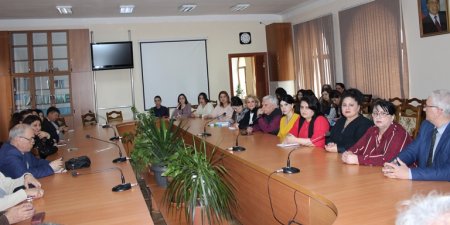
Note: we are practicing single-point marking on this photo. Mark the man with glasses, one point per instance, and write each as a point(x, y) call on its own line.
point(430, 151)
point(16, 159)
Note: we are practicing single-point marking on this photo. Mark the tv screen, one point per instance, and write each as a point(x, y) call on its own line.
point(112, 55)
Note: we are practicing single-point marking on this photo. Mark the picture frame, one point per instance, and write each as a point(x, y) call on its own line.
point(433, 17)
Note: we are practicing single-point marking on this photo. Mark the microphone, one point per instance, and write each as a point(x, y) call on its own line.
point(288, 168)
point(120, 159)
point(206, 134)
point(237, 148)
point(115, 138)
point(118, 188)
point(106, 125)
point(327, 134)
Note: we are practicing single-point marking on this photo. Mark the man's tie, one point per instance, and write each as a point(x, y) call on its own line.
point(437, 24)
point(430, 154)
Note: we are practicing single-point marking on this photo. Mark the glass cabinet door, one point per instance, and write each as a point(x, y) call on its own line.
point(40, 52)
point(42, 92)
point(59, 52)
point(19, 51)
point(62, 94)
point(22, 95)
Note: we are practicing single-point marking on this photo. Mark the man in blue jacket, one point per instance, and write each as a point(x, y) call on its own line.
point(16, 158)
point(431, 149)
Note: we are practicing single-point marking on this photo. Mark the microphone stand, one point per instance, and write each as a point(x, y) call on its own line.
point(206, 134)
point(118, 188)
point(237, 148)
point(107, 125)
point(288, 168)
point(121, 157)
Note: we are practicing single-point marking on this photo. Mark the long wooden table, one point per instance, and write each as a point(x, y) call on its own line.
point(326, 191)
point(88, 199)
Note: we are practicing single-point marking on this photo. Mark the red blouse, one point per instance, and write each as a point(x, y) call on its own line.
point(372, 151)
point(321, 127)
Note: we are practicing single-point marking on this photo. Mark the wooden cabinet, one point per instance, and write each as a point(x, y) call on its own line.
point(280, 51)
point(40, 70)
point(5, 86)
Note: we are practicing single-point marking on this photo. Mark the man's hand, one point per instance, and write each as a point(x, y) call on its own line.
point(19, 213)
point(396, 169)
point(29, 179)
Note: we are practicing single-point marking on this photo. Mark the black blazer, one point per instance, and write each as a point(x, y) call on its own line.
point(346, 138)
point(428, 24)
point(48, 127)
point(245, 122)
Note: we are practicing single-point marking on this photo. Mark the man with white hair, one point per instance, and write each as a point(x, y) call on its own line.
point(269, 116)
point(432, 209)
point(431, 149)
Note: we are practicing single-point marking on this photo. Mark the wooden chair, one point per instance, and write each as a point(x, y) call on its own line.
point(367, 98)
point(89, 119)
point(214, 103)
point(365, 110)
point(114, 116)
point(397, 101)
point(415, 102)
point(127, 131)
point(410, 117)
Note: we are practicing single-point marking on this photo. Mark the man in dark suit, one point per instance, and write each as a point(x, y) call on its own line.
point(435, 20)
point(430, 151)
point(50, 125)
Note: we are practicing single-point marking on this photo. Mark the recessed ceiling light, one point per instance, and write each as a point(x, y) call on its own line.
point(64, 9)
point(187, 8)
point(126, 8)
point(239, 7)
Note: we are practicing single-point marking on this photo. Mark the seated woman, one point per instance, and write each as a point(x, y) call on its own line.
point(222, 111)
point(382, 142)
point(289, 117)
point(44, 145)
point(351, 126)
point(310, 129)
point(326, 106)
point(16, 159)
point(251, 115)
point(239, 110)
point(183, 109)
point(204, 107)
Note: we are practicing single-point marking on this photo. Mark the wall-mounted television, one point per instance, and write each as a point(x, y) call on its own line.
point(112, 55)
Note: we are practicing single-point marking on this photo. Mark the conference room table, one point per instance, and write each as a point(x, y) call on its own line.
point(88, 198)
point(326, 191)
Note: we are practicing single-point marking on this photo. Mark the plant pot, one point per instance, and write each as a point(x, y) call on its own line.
point(158, 170)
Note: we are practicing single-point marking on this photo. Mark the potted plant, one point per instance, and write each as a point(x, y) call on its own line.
point(199, 185)
point(155, 141)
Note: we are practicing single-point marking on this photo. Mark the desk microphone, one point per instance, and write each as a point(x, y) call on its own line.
point(206, 134)
point(288, 168)
point(237, 148)
point(120, 187)
point(120, 159)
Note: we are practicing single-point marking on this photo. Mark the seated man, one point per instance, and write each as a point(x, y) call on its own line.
point(9, 198)
point(269, 117)
point(16, 158)
point(50, 124)
point(159, 110)
point(431, 149)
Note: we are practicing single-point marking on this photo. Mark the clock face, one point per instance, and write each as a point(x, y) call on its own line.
point(245, 38)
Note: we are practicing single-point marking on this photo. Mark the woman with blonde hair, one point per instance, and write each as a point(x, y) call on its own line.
point(252, 104)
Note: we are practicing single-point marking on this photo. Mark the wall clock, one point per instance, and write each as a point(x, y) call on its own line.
point(245, 38)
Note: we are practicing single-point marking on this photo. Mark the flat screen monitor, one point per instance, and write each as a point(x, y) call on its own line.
point(112, 55)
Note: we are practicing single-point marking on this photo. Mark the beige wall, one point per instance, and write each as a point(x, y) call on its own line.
point(428, 58)
point(221, 34)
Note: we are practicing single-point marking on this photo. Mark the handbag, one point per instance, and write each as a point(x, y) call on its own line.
point(78, 163)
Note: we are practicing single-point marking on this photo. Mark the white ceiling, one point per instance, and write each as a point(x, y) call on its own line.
point(40, 9)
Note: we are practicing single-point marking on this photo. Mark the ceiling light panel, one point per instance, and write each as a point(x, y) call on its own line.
point(126, 9)
point(64, 10)
point(187, 8)
point(239, 7)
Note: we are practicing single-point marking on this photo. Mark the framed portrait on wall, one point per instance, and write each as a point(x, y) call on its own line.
point(433, 17)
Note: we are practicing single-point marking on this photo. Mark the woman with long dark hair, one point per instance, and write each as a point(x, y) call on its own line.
point(183, 109)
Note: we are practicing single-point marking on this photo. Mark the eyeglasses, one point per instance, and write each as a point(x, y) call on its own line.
point(31, 140)
point(379, 114)
point(430, 106)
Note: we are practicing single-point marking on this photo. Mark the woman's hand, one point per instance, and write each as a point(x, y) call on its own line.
point(331, 147)
point(43, 134)
point(350, 158)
